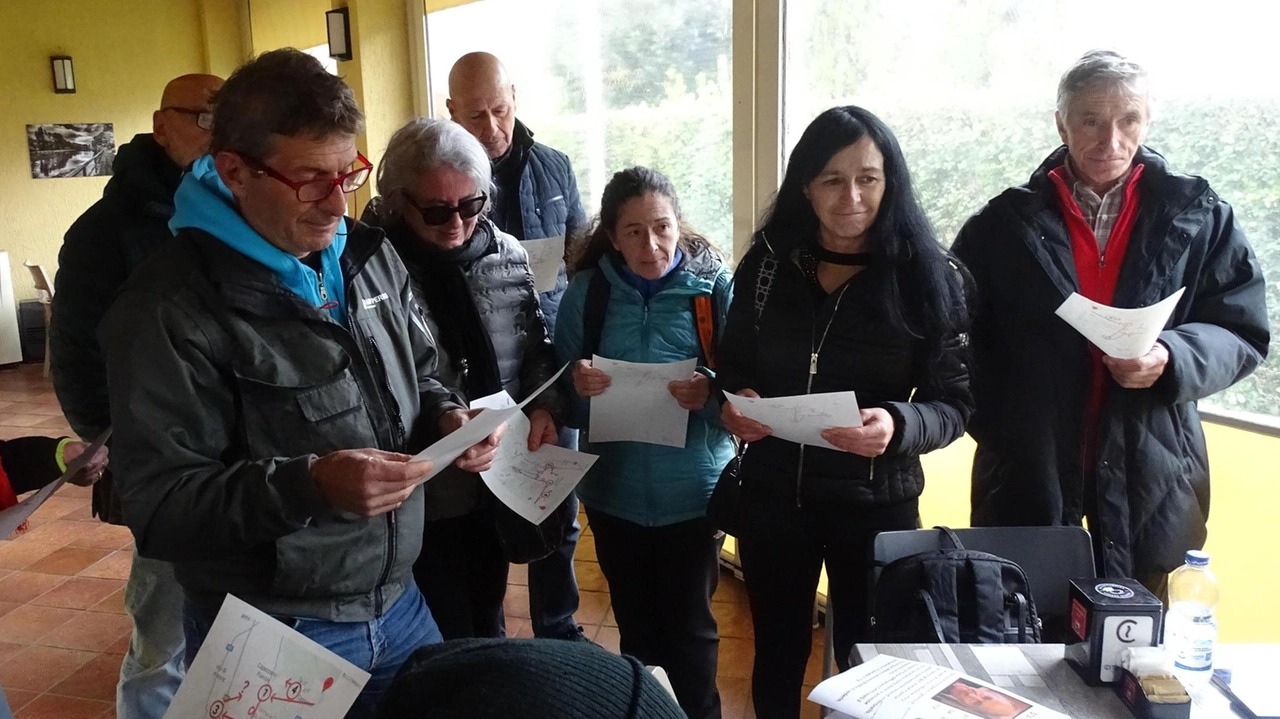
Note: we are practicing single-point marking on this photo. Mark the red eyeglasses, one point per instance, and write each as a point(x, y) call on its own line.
point(316, 190)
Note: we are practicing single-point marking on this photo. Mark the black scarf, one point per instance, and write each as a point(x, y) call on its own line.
point(441, 274)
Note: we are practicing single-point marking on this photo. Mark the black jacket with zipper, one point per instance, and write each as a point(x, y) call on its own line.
point(224, 385)
point(1032, 370)
point(104, 246)
point(924, 388)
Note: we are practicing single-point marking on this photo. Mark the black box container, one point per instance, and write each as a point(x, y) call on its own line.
point(1131, 694)
point(1107, 617)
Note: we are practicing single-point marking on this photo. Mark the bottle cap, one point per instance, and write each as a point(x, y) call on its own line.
point(1197, 558)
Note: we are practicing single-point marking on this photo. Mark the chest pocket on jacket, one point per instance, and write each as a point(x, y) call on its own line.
point(288, 421)
point(553, 214)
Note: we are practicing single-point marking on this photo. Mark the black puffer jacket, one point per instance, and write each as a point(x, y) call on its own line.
point(99, 252)
point(1032, 370)
point(925, 389)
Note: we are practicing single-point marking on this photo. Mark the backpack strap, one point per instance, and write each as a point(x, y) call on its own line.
point(705, 321)
point(941, 581)
point(597, 304)
point(951, 536)
point(932, 610)
point(764, 283)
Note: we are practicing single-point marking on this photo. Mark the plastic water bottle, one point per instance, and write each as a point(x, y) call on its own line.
point(1190, 628)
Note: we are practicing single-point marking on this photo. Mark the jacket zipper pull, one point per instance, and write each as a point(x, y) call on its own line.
point(324, 294)
point(813, 364)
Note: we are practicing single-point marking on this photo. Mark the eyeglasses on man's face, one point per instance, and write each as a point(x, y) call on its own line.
point(317, 190)
point(203, 118)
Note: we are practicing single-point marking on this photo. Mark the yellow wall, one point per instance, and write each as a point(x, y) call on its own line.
point(1246, 495)
point(124, 53)
point(288, 23)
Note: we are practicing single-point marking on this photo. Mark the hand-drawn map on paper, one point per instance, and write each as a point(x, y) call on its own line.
point(251, 666)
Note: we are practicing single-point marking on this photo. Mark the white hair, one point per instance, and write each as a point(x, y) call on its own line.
point(424, 145)
point(1101, 69)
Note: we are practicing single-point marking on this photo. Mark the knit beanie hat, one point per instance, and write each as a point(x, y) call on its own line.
point(524, 679)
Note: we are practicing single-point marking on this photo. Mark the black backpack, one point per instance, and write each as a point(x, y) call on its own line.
point(954, 596)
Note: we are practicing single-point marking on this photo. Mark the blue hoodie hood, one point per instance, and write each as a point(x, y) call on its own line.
point(203, 202)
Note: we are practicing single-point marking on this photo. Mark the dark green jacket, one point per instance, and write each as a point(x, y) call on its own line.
point(104, 246)
point(225, 385)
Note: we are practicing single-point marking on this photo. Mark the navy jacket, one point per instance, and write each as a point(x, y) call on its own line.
point(549, 207)
point(1031, 369)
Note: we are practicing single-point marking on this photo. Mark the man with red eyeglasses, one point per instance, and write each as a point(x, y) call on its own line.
point(266, 370)
point(104, 246)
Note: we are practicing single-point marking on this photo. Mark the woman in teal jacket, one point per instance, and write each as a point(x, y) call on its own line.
point(647, 503)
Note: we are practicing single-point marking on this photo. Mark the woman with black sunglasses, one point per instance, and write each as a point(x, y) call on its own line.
point(434, 185)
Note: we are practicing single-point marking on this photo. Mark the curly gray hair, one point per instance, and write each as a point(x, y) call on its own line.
point(424, 145)
point(1101, 69)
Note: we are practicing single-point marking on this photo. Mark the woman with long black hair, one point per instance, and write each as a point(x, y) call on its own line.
point(844, 288)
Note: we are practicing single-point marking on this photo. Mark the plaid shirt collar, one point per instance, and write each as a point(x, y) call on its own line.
point(1102, 212)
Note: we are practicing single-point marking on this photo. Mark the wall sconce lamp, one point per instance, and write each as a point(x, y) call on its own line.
point(64, 76)
point(338, 23)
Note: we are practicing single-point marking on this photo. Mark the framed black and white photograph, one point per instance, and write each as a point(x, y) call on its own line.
point(83, 149)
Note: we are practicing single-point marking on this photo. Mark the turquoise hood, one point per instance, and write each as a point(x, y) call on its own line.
point(204, 203)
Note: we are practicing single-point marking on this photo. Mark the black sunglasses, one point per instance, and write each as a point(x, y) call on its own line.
point(441, 214)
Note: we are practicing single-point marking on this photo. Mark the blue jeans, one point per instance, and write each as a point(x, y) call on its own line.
point(152, 668)
point(553, 588)
point(379, 646)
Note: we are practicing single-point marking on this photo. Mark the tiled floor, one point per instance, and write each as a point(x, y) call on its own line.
point(63, 630)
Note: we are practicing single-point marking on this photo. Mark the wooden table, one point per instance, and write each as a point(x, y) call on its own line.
point(1054, 684)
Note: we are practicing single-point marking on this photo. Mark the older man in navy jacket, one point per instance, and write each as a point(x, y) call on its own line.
point(535, 196)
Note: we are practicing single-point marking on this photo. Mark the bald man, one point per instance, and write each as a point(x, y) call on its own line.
point(535, 196)
point(99, 252)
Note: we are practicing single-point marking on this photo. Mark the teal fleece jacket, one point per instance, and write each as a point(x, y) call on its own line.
point(649, 484)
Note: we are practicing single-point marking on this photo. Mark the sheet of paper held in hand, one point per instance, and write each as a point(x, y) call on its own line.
point(1119, 333)
point(890, 688)
point(13, 517)
point(802, 418)
point(252, 665)
point(638, 406)
point(451, 446)
point(545, 256)
point(532, 484)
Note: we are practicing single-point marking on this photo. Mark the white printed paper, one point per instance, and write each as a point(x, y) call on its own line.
point(253, 666)
point(532, 484)
point(802, 418)
point(890, 688)
point(545, 256)
point(452, 445)
point(638, 405)
point(13, 517)
point(1119, 333)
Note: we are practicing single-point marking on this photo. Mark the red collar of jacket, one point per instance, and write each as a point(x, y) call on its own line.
point(1097, 273)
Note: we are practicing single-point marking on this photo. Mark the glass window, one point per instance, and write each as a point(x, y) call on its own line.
point(613, 84)
point(969, 87)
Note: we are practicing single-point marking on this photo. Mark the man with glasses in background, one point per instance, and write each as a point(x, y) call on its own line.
point(266, 371)
point(105, 245)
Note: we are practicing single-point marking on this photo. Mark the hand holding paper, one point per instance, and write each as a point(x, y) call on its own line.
point(367, 482)
point(869, 440)
point(1119, 333)
point(13, 517)
point(476, 429)
point(740, 425)
point(802, 419)
point(638, 405)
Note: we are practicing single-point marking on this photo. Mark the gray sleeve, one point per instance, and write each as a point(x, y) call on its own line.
point(174, 415)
